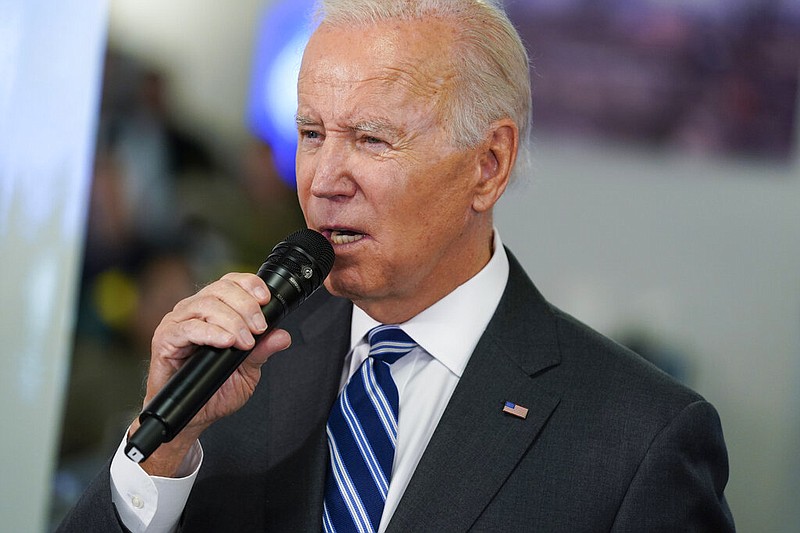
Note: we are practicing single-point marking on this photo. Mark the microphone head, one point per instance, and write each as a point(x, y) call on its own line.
point(316, 246)
point(297, 266)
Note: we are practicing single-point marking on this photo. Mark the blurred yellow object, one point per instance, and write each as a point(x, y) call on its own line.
point(115, 298)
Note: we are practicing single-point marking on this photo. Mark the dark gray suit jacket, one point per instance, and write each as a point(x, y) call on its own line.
point(609, 444)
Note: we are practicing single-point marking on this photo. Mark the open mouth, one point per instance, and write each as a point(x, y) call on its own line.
point(345, 236)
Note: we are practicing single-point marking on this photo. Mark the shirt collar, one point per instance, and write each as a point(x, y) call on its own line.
point(450, 329)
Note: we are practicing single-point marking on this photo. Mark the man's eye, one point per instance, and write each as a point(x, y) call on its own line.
point(310, 134)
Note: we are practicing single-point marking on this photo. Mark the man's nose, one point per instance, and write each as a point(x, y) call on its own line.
point(333, 175)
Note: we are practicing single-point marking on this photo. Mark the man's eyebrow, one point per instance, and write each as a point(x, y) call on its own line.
point(302, 120)
point(365, 126)
point(377, 126)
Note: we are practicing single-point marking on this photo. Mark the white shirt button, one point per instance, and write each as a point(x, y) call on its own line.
point(137, 502)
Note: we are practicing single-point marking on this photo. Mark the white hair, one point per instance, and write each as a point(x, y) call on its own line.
point(493, 78)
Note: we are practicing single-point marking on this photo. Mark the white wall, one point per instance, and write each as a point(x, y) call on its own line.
point(50, 59)
point(707, 255)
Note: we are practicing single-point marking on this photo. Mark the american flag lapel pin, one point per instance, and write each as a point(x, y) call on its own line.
point(516, 410)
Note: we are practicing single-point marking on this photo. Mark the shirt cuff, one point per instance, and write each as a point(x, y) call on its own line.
point(151, 504)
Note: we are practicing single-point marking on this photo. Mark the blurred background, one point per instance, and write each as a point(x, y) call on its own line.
point(663, 207)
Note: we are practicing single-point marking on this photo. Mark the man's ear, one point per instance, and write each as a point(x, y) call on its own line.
point(497, 157)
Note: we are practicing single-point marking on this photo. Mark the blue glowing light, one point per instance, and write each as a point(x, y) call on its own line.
point(282, 36)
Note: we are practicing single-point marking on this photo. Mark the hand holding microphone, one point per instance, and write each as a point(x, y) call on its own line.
point(226, 319)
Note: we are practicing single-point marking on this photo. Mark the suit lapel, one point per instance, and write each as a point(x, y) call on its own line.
point(269, 465)
point(303, 381)
point(303, 384)
point(476, 445)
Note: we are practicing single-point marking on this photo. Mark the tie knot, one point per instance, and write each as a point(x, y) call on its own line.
point(389, 343)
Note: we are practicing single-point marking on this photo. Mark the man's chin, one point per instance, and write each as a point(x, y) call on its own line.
point(338, 287)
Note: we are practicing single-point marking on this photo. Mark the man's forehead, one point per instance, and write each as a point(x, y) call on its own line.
point(384, 53)
point(380, 103)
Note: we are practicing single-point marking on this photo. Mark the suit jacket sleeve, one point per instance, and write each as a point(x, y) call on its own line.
point(95, 510)
point(679, 483)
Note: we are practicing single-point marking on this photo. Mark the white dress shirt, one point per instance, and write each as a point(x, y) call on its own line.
point(446, 334)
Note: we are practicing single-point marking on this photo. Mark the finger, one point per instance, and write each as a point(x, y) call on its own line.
point(177, 337)
point(257, 289)
point(250, 283)
point(225, 303)
point(236, 321)
point(276, 341)
point(238, 298)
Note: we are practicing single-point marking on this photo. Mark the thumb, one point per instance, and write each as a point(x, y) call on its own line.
point(273, 342)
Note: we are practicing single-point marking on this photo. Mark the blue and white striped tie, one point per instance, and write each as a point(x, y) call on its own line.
point(362, 435)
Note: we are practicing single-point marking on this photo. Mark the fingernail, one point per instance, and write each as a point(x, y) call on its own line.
point(261, 293)
point(246, 337)
point(288, 342)
point(259, 322)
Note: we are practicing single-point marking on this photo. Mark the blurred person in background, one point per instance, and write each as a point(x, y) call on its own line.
point(511, 415)
point(139, 263)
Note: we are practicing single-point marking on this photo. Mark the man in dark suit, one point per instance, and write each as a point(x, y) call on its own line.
point(512, 415)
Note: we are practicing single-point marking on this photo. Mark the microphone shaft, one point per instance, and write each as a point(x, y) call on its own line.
point(189, 389)
point(295, 269)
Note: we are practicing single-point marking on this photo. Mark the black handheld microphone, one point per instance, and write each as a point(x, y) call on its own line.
point(296, 268)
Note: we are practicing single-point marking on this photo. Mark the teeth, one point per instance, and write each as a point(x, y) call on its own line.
point(339, 237)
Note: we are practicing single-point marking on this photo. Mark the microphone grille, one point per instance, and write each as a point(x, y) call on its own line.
point(315, 245)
